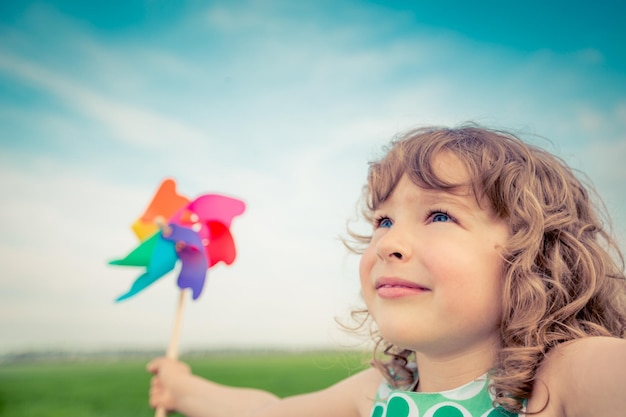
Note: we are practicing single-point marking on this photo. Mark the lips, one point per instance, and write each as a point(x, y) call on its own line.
point(396, 287)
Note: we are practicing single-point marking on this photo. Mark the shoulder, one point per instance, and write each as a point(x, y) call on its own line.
point(361, 387)
point(585, 377)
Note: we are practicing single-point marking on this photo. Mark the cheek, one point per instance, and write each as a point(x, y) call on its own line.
point(445, 263)
point(366, 264)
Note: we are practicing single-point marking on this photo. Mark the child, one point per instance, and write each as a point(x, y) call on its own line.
point(491, 288)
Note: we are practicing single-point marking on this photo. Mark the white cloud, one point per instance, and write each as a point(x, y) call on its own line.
point(305, 107)
point(137, 126)
point(590, 56)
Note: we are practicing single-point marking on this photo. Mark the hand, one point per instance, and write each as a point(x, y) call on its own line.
point(166, 384)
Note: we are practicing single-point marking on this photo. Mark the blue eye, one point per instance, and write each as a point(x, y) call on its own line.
point(384, 222)
point(440, 217)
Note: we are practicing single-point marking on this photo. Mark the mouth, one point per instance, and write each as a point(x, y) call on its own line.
point(396, 288)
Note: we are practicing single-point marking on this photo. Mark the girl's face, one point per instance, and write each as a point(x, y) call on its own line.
point(431, 275)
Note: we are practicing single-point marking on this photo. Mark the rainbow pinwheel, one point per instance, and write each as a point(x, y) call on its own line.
point(174, 228)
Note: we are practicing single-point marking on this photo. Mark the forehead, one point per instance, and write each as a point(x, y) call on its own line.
point(408, 191)
point(444, 171)
point(448, 168)
point(429, 165)
point(453, 183)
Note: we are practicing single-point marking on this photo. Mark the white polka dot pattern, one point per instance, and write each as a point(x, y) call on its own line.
point(470, 400)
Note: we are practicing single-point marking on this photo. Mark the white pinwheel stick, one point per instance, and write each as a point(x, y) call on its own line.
point(172, 348)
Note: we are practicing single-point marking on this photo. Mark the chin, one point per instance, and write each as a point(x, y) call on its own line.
point(396, 335)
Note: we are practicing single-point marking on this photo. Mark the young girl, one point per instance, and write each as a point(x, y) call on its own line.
point(492, 286)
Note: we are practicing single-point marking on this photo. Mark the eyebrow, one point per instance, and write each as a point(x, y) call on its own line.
point(441, 196)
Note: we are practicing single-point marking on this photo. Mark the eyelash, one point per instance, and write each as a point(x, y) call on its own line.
point(380, 219)
point(433, 212)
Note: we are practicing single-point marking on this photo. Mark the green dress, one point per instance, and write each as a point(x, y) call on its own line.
point(470, 400)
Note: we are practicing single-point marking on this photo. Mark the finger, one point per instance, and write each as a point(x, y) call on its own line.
point(154, 401)
point(154, 365)
point(156, 394)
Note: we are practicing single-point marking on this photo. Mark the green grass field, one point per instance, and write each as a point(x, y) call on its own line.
point(120, 388)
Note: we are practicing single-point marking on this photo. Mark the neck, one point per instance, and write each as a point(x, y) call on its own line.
point(443, 372)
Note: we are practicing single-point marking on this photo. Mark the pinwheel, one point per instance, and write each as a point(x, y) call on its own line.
point(174, 228)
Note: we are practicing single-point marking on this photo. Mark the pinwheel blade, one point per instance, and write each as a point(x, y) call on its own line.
point(162, 261)
point(218, 208)
point(165, 203)
point(221, 245)
point(191, 253)
point(141, 255)
point(193, 271)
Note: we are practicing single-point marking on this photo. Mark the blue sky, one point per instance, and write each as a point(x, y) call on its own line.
point(281, 104)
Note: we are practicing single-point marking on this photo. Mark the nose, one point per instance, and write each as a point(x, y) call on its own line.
point(393, 246)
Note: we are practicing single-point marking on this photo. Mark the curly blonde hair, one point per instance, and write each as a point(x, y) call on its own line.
point(563, 272)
